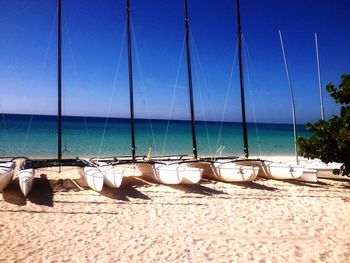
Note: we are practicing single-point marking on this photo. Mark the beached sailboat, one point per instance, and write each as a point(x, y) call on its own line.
point(7, 170)
point(280, 170)
point(223, 168)
point(322, 169)
point(166, 170)
point(163, 170)
point(185, 174)
point(26, 173)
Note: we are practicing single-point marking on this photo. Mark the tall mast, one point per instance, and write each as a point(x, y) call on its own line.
point(189, 72)
point(131, 83)
point(292, 98)
point(244, 121)
point(59, 82)
point(319, 76)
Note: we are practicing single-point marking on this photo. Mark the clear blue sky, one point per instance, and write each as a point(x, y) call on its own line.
point(92, 39)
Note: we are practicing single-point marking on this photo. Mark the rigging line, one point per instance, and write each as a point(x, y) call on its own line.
point(87, 135)
point(42, 73)
point(113, 93)
point(201, 70)
point(173, 95)
point(70, 43)
point(251, 94)
point(227, 95)
point(4, 120)
point(27, 133)
point(197, 64)
point(143, 89)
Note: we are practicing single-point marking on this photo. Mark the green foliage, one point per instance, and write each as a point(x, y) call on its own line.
point(330, 140)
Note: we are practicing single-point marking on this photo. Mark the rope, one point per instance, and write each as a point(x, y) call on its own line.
point(250, 93)
point(77, 80)
point(173, 96)
point(143, 90)
point(87, 134)
point(4, 121)
point(226, 98)
point(42, 73)
point(197, 61)
point(113, 92)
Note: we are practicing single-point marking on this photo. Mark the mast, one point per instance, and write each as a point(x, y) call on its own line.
point(319, 76)
point(292, 98)
point(59, 82)
point(244, 121)
point(189, 72)
point(131, 83)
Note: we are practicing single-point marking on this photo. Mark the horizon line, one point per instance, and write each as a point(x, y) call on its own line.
point(156, 119)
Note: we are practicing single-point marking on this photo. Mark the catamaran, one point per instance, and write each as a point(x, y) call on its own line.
point(322, 169)
point(91, 174)
point(161, 170)
point(220, 168)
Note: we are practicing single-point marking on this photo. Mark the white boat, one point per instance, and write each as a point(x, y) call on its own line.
point(324, 170)
point(25, 178)
point(226, 170)
point(190, 175)
point(160, 173)
point(308, 175)
point(170, 172)
point(93, 177)
point(112, 174)
point(281, 171)
point(7, 170)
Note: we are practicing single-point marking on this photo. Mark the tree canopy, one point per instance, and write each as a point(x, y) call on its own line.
point(330, 140)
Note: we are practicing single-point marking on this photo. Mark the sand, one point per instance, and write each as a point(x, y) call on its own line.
point(263, 221)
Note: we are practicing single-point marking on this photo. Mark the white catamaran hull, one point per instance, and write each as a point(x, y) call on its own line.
point(25, 178)
point(227, 171)
point(113, 175)
point(162, 173)
point(190, 175)
point(93, 177)
point(280, 171)
point(324, 170)
point(7, 170)
point(308, 175)
point(231, 172)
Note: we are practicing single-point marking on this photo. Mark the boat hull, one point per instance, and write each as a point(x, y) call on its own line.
point(190, 175)
point(324, 170)
point(7, 170)
point(161, 173)
point(308, 175)
point(25, 179)
point(227, 171)
point(112, 175)
point(279, 171)
point(94, 178)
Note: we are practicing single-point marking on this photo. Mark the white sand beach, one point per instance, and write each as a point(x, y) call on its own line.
point(263, 221)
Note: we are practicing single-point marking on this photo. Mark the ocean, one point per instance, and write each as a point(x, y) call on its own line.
point(36, 136)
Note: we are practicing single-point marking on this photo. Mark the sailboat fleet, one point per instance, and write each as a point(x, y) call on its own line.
point(105, 171)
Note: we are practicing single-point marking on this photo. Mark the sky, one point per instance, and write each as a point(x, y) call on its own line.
point(95, 69)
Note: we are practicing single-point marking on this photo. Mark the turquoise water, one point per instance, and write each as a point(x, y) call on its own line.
point(36, 136)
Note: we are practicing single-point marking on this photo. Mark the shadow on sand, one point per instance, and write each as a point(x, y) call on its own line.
point(67, 185)
point(13, 195)
point(318, 184)
point(254, 185)
point(197, 189)
point(127, 190)
point(42, 192)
